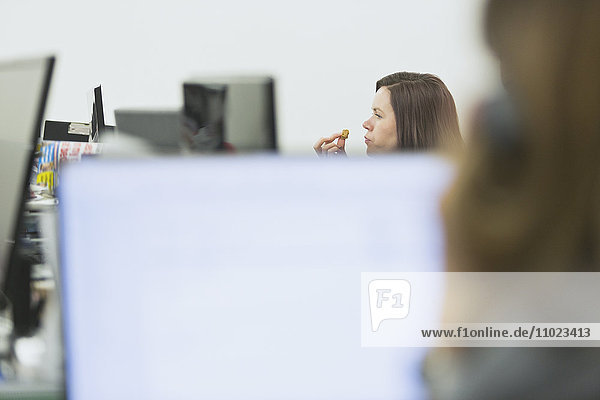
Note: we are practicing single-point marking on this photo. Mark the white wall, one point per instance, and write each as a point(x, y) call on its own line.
point(325, 54)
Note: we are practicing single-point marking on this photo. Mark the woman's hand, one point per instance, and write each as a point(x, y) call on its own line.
point(327, 146)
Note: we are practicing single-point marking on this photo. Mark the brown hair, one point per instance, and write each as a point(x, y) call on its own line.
point(540, 209)
point(424, 109)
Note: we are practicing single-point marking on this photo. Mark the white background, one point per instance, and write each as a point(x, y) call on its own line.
point(326, 55)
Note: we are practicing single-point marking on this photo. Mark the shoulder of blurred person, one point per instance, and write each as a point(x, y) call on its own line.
point(513, 373)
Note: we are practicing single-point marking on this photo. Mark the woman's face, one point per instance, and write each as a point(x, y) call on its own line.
point(381, 134)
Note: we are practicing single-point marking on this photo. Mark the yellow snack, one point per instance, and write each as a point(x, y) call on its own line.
point(345, 134)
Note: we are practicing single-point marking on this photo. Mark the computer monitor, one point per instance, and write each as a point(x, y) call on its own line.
point(98, 123)
point(232, 113)
point(161, 129)
point(239, 278)
point(24, 86)
point(80, 131)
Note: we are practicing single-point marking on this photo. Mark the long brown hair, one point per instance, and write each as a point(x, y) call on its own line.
point(538, 210)
point(424, 109)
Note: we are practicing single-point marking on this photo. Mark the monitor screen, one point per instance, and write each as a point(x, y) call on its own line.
point(234, 113)
point(23, 91)
point(239, 277)
point(98, 124)
point(161, 129)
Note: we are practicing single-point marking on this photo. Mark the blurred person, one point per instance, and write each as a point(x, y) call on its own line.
point(532, 171)
point(410, 111)
point(527, 194)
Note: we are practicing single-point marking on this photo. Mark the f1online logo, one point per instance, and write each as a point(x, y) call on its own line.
point(388, 299)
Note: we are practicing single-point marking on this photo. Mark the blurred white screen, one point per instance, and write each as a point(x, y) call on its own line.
point(229, 278)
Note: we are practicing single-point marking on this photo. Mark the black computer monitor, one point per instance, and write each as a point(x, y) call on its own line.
point(232, 113)
point(80, 131)
point(24, 86)
point(98, 123)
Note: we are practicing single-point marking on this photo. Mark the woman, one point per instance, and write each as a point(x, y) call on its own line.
point(411, 111)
